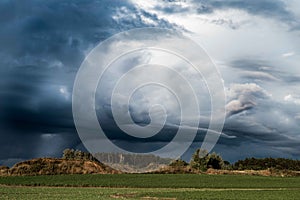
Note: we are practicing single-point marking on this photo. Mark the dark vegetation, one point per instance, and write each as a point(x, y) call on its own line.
point(71, 154)
point(267, 163)
point(203, 161)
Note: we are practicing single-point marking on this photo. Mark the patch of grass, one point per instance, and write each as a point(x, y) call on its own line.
point(149, 186)
point(155, 181)
point(141, 193)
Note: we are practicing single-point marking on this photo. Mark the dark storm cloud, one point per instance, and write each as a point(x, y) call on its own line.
point(57, 30)
point(251, 141)
point(268, 142)
point(62, 30)
point(44, 42)
point(253, 133)
point(42, 46)
point(270, 126)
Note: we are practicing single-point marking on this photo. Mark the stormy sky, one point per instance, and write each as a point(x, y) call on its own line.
point(255, 44)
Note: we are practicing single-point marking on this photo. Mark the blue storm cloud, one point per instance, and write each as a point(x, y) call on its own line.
point(43, 44)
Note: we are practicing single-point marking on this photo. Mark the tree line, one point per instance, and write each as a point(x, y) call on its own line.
point(267, 163)
point(202, 160)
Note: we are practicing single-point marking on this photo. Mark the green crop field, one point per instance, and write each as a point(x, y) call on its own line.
point(149, 186)
point(141, 193)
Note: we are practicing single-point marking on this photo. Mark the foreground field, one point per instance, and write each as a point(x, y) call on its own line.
point(149, 186)
point(143, 193)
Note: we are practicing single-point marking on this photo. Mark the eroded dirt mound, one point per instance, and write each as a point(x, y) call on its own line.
point(52, 166)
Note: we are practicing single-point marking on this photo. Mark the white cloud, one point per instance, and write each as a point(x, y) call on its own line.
point(288, 54)
point(236, 90)
point(292, 99)
point(63, 90)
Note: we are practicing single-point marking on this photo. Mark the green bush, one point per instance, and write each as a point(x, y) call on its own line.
point(202, 160)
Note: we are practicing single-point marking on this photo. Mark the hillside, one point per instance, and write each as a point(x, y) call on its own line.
point(53, 166)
